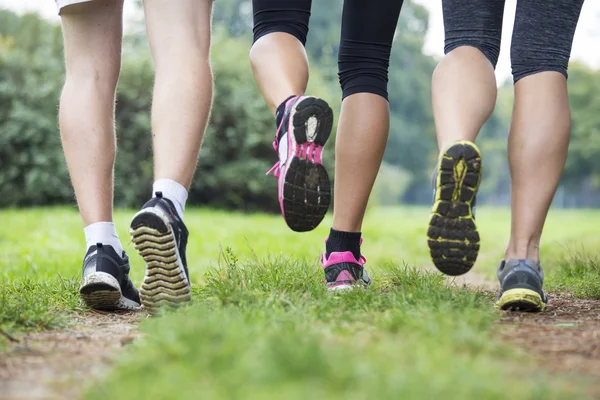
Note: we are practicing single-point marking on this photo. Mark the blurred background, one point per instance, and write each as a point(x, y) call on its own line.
point(237, 149)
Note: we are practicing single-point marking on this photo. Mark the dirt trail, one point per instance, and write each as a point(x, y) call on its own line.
point(60, 364)
point(565, 338)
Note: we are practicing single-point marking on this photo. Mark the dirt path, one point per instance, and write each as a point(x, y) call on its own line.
point(565, 338)
point(60, 364)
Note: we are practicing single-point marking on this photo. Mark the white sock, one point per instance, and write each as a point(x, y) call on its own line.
point(173, 191)
point(105, 233)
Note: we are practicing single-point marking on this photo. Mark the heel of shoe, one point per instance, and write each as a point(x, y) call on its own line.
point(100, 291)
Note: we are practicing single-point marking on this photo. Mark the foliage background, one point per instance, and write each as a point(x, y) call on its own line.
point(237, 149)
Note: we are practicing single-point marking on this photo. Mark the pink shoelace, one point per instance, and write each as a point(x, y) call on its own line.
point(307, 151)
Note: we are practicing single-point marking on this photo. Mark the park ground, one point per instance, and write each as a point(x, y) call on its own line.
point(261, 325)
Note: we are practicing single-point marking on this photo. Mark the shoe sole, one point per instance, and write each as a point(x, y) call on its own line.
point(307, 189)
point(101, 291)
point(346, 286)
point(165, 282)
point(343, 287)
point(521, 300)
point(452, 235)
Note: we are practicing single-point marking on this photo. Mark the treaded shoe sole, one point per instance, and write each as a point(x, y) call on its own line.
point(165, 282)
point(452, 235)
point(101, 291)
point(522, 300)
point(307, 189)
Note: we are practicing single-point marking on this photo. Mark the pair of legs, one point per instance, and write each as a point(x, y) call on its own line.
point(179, 37)
point(464, 96)
point(280, 66)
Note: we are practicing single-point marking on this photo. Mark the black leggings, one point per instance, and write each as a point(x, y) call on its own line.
point(367, 32)
point(542, 35)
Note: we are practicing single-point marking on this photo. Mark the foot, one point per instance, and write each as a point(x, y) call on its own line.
point(521, 286)
point(160, 237)
point(304, 187)
point(343, 271)
point(105, 284)
point(452, 235)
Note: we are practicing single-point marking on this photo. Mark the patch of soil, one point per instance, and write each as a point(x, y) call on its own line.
point(565, 338)
point(59, 364)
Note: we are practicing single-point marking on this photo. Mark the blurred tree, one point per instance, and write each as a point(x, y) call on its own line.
point(584, 149)
point(32, 170)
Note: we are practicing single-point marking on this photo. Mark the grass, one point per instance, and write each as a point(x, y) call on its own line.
point(262, 326)
point(578, 273)
point(269, 330)
point(28, 304)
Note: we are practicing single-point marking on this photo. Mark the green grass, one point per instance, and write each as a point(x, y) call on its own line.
point(262, 326)
point(269, 330)
point(28, 304)
point(578, 273)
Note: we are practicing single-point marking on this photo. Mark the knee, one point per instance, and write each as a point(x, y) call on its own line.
point(296, 28)
point(273, 16)
point(95, 78)
point(363, 68)
point(186, 57)
point(529, 60)
point(490, 47)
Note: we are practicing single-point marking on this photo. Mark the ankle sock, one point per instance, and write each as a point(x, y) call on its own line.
point(280, 112)
point(340, 241)
point(105, 233)
point(173, 191)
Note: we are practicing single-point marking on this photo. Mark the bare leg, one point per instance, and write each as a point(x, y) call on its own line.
point(537, 146)
point(463, 95)
point(362, 135)
point(280, 67)
point(92, 37)
point(179, 36)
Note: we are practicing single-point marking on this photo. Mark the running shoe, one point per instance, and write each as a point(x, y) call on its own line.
point(105, 281)
point(304, 190)
point(521, 286)
point(452, 235)
point(160, 237)
point(343, 271)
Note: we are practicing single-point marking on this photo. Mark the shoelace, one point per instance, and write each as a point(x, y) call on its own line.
point(307, 151)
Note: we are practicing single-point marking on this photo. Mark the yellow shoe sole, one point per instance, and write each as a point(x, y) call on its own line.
point(452, 234)
point(522, 300)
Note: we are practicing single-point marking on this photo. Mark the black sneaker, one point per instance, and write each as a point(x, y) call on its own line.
point(160, 236)
point(521, 286)
point(105, 284)
point(452, 235)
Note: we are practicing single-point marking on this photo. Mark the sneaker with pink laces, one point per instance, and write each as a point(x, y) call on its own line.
point(343, 271)
point(304, 189)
